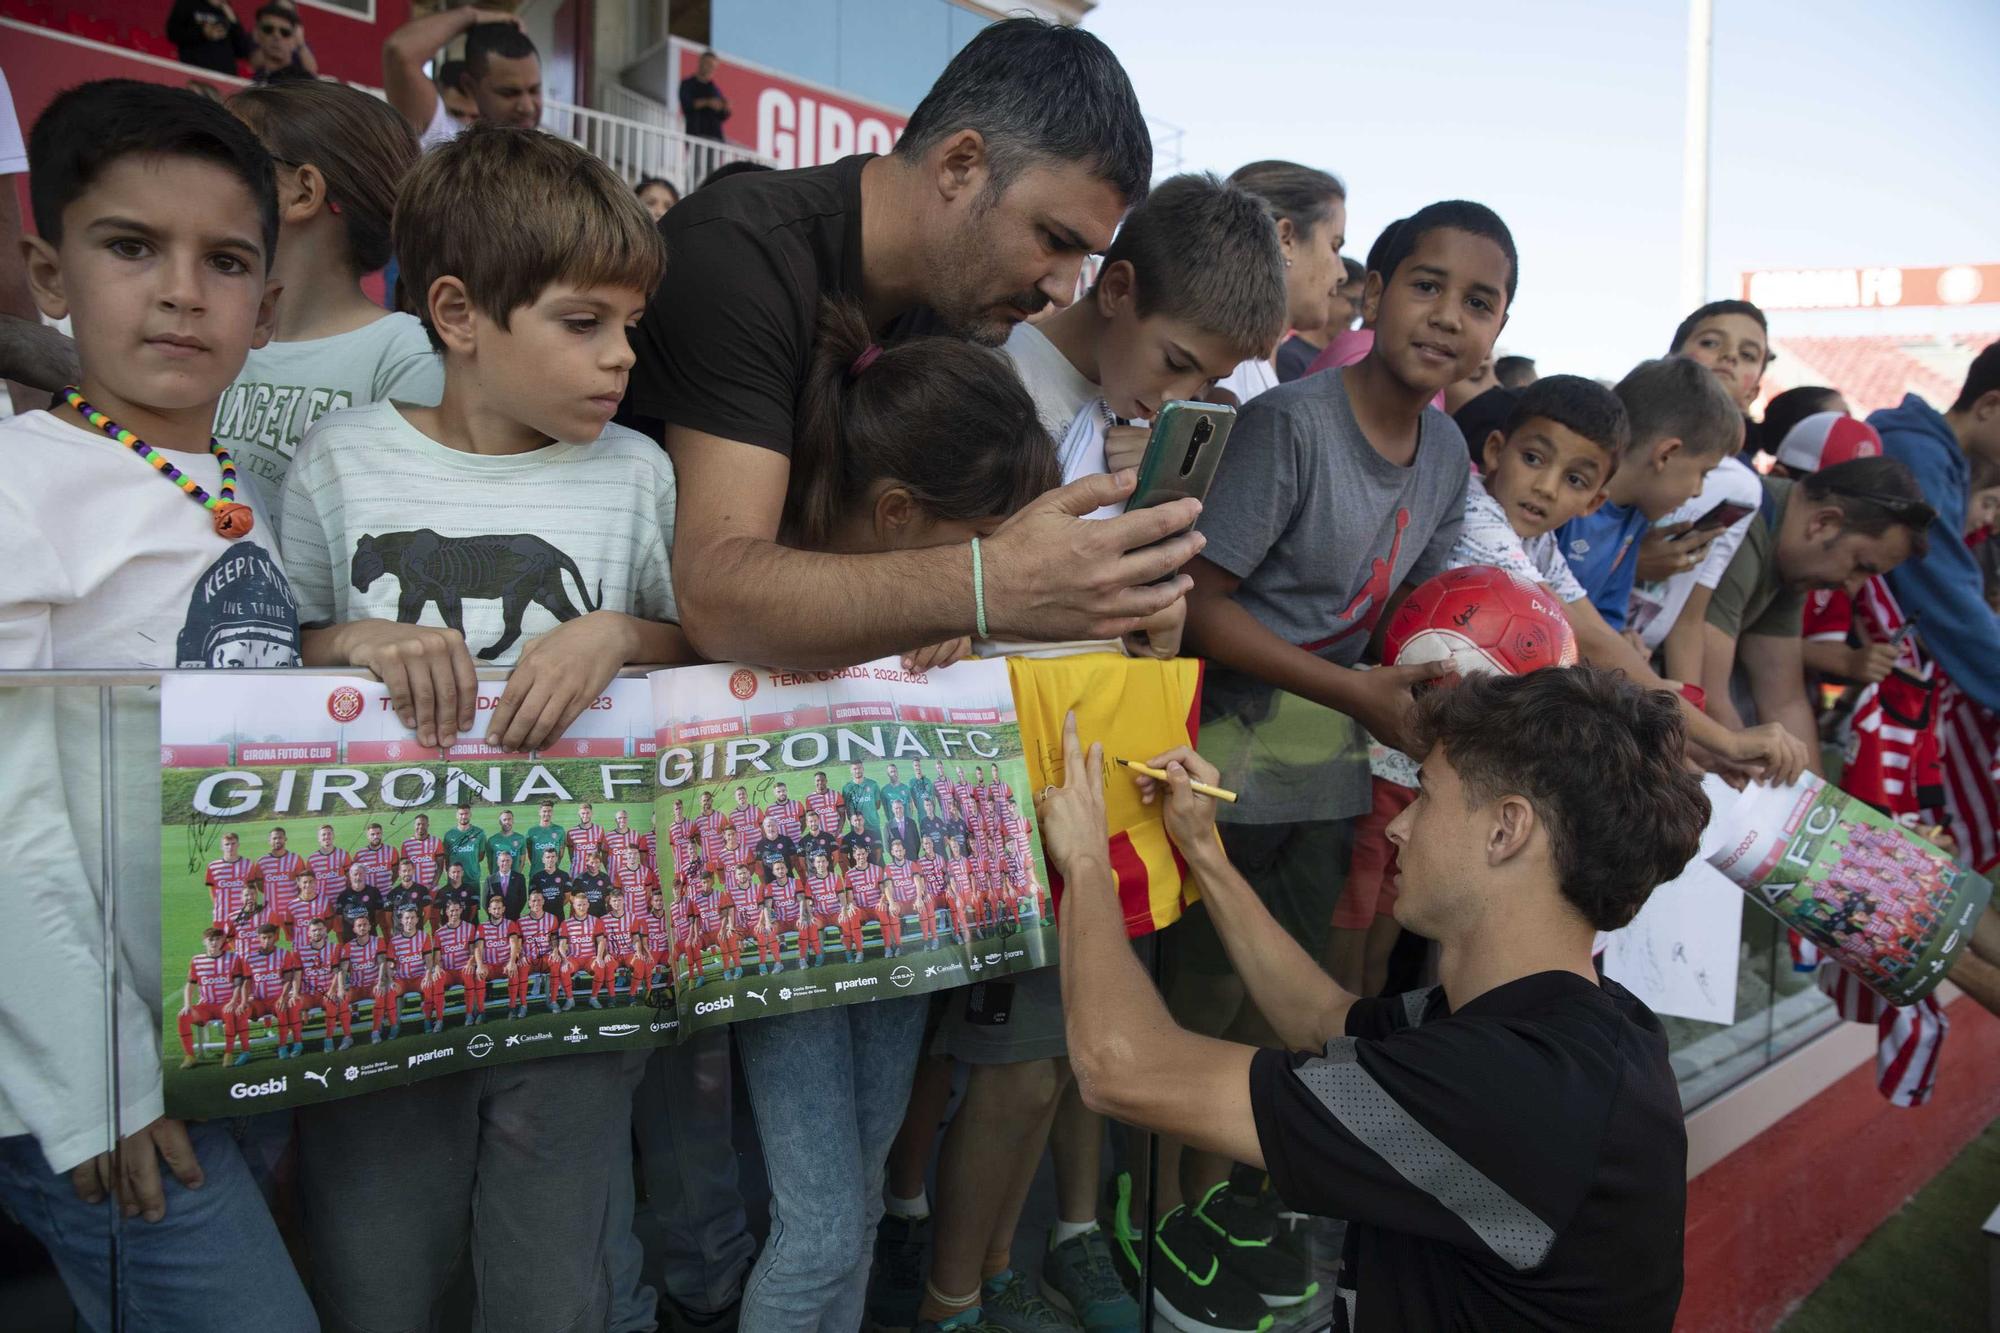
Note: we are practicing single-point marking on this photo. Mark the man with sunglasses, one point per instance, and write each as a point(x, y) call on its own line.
point(281, 51)
point(1835, 528)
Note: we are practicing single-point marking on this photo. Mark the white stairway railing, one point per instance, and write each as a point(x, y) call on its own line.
point(636, 150)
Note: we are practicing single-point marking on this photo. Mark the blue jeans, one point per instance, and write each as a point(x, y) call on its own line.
point(828, 1089)
point(511, 1162)
point(681, 1122)
point(214, 1262)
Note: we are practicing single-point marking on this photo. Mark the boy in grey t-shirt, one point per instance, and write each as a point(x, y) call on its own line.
point(1338, 492)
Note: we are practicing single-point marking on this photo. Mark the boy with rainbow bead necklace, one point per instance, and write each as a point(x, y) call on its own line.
point(125, 543)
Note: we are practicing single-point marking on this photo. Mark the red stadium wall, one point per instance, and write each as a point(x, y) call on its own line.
point(348, 45)
point(1766, 1224)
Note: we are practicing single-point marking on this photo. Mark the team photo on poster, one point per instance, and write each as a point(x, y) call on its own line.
point(343, 909)
point(832, 837)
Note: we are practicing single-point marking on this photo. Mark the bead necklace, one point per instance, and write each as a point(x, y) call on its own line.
point(231, 519)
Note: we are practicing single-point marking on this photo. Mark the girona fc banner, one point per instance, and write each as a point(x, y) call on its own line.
point(343, 909)
point(790, 120)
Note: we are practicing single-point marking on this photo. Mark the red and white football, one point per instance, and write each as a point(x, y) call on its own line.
point(1481, 619)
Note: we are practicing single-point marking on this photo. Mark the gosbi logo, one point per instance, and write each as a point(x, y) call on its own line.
point(742, 683)
point(240, 1091)
point(344, 704)
point(715, 1006)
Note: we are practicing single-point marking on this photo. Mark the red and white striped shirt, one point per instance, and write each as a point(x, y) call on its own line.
point(363, 956)
point(330, 867)
point(378, 865)
point(933, 872)
point(424, 854)
point(493, 937)
point(616, 840)
point(866, 881)
point(649, 842)
point(300, 911)
point(960, 870)
point(229, 881)
point(582, 839)
point(825, 804)
point(618, 933)
point(825, 894)
point(215, 978)
point(790, 814)
point(660, 932)
point(748, 821)
point(316, 963)
point(266, 970)
point(710, 825)
point(634, 884)
point(535, 932)
point(902, 881)
point(408, 952)
point(581, 933)
point(454, 944)
point(746, 897)
point(279, 873)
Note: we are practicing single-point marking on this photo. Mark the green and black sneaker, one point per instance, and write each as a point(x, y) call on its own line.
point(1192, 1290)
point(1249, 1241)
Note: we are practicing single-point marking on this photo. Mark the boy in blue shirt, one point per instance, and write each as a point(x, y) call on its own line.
point(1683, 424)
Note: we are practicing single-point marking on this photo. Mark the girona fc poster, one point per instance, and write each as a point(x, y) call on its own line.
point(343, 909)
point(829, 837)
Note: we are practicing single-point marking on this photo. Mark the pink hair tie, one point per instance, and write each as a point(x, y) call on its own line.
point(865, 359)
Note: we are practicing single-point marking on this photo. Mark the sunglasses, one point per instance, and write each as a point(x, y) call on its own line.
point(1910, 513)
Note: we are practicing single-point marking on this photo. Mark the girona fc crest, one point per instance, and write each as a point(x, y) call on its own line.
point(166, 756)
point(583, 747)
point(395, 750)
point(344, 704)
point(743, 683)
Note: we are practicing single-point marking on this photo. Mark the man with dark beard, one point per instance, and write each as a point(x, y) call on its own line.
point(1014, 168)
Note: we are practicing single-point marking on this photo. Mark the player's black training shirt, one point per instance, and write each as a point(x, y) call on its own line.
point(1520, 1164)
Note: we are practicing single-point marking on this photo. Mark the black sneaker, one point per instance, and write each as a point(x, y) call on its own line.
point(1192, 1289)
point(896, 1284)
point(1246, 1236)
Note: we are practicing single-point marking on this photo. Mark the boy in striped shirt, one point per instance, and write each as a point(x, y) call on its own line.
point(424, 852)
point(617, 838)
point(537, 926)
point(657, 939)
point(709, 823)
point(635, 879)
point(320, 987)
point(739, 919)
point(906, 896)
point(215, 975)
point(366, 966)
point(229, 881)
point(782, 895)
point(278, 871)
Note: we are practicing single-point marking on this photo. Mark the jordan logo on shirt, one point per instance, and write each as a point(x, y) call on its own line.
point(516, 571)
point(1366, 608)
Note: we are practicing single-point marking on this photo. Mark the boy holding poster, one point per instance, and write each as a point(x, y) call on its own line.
point(530, 320)
point(156, 218)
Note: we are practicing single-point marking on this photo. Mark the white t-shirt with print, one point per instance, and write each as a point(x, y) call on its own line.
point(1489, 539)
point(1250, 378)
point(285, 387)
point(1656, 606)
point(107, 565)
point(384, 523)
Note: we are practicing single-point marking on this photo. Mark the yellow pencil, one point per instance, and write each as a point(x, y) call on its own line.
point(1159, 775)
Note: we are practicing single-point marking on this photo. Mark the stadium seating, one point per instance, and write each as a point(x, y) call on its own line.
point(1876, 371)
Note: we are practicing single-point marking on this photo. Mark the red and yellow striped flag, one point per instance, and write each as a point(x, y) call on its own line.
point(1137, 707)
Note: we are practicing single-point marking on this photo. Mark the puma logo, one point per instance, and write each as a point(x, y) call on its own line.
point(516, 570)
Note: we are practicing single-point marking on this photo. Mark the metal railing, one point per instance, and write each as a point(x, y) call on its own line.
point(636, 149)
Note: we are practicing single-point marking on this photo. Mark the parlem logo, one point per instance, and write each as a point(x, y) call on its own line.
point(743, 683)
point(344, 704)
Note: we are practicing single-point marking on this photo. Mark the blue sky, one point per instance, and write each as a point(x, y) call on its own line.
point(1843, 134)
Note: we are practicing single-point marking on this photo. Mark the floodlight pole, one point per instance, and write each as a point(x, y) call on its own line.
point(1694, 154)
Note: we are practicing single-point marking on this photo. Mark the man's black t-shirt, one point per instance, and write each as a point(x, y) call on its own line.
point(727, 339)
point(596, 891)
point(1520, 1164)
point(555, 886)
